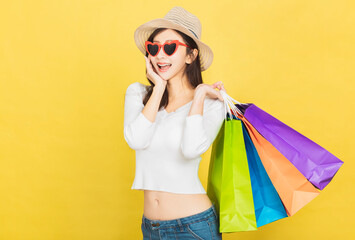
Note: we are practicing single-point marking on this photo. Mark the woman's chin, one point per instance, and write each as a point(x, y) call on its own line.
point(164, 77)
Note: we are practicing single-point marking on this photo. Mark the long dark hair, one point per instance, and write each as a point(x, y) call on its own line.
point(192, 71)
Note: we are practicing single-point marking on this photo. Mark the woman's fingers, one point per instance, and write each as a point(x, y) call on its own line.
point(216, 84)
point(150, 69)
point(222, 87)
point(219, 95)
point(213, 93)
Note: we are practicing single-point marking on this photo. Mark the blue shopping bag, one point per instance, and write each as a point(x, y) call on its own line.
point(267, 203)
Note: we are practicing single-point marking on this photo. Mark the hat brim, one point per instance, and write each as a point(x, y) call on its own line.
point(143, 32)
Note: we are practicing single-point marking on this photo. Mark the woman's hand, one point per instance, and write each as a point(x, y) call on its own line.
point(210, 91)
point(152, 75)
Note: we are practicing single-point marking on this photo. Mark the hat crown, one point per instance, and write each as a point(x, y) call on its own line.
point(182, 17)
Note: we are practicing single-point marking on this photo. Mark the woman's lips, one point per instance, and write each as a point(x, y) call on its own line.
point(164, 69)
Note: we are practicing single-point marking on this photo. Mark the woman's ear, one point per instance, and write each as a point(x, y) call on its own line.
point(191, 57)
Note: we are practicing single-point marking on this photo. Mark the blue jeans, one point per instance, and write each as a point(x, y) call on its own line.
point(203, 225)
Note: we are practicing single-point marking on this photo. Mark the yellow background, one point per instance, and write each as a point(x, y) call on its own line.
point(65, 168)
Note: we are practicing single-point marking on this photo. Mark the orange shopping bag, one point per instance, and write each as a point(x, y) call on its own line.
point(294, 189)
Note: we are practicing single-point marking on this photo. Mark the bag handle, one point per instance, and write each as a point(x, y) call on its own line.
point(229, 105)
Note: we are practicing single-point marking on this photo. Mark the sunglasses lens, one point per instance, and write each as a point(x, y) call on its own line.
point(152, 49)
point(170, 48)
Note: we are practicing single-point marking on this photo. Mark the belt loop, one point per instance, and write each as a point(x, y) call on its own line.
point(147, 224)
point(143, 221)
point(180, 225)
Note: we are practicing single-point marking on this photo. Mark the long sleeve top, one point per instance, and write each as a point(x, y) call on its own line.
point(168, 150)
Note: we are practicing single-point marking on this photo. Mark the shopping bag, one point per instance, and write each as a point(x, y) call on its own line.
point(267, 203)
point(229, 185)
point(293, 188)
point(315, 163)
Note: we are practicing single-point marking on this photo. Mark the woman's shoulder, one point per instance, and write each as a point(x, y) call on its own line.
point(136, 87)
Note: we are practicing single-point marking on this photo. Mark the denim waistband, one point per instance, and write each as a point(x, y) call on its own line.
point(156, 224)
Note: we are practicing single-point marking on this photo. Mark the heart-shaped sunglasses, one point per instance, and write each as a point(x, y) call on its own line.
point(168, 47)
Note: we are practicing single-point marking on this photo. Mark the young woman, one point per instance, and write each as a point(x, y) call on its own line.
point(170, 124)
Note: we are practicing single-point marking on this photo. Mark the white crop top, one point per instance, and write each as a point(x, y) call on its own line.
point(168, 150)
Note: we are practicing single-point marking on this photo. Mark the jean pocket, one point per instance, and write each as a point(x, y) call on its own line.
point(200, 230)
point(145, 232)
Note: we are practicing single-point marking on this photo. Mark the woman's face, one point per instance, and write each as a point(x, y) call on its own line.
point(177, 60)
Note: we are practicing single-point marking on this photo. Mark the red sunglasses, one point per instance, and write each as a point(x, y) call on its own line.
point(169, 47)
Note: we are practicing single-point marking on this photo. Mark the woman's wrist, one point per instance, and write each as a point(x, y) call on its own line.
point(199, 93)
point(160, 88)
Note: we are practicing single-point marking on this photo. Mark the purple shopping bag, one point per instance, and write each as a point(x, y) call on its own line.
point(317, 164)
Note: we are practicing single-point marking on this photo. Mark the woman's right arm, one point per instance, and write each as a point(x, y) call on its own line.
point(139, 120)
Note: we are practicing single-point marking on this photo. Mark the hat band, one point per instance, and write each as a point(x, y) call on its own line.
point(193, 33)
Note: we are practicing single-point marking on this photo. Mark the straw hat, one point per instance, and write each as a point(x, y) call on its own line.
point(179, 19)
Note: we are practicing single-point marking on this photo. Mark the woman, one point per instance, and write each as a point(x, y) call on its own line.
point(170, 124)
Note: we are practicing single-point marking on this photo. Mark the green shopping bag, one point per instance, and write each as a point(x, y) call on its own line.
point(229, 186)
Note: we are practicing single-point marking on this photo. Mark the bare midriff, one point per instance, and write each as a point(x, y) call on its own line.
point(159, 205)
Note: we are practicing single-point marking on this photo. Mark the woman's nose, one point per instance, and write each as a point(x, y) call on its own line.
point(161, 53)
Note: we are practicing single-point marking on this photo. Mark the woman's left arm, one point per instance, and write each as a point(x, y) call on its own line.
point(201, 127)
